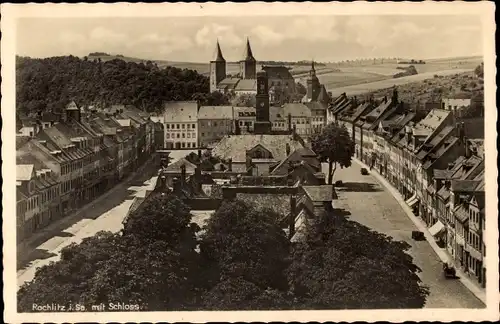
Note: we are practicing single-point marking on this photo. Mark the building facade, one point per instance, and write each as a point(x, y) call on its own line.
point(181, 124)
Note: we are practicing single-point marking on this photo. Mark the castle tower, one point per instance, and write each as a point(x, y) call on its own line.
point(262, 124)
point(217, 68)
point(313, 85)
point(248, 65)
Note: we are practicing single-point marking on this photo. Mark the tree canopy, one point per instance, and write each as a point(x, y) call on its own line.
point(335, 146)
point(240, 260)
point(50, 83)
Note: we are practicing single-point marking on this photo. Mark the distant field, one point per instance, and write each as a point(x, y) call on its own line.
point(358, 89)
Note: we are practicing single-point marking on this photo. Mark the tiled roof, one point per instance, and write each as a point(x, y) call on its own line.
point(435, 141)
point(441, 150)
point(279, 203)
point(181, 111)
point(21, 140)
point(296, 109)
point(428, 125)
point(323, 95)
point(277, 113)
point(235, 146)
point(442, 174)
point(340, 103)
point(302, 154)
point(246, 85)
point(314, 105)
point(176, 166)
point(277, 72)
point(461, 214)
point(24, 172)
point(464, 185)
point(215, 112)
point(319, 193)
point(228, 83)
point(444, 193)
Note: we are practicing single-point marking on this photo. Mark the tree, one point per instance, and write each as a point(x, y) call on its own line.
point(342, 264)
point(236, 247)
point(152, 264)
point(335, 146)
point(244, 100)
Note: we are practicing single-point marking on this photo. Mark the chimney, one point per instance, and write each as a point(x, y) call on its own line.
point(287, 149)
point(294, 132)
point(176, 186)
point(289, 122)
point(230, 164)
point(467, 148)
point(289, 177)
point(293, 214)
point(183, 174)
point(197, 177)
point(248, 162)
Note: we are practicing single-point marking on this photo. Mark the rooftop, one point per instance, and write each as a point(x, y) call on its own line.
point(235, 146)
point(319, 193)
point(181, 111)
point(24, 172)
point(246, 85)
point(428, 125)
point(215, 112)
point(296, 110)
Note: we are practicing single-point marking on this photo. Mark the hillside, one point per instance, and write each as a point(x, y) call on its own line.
point(49, 84)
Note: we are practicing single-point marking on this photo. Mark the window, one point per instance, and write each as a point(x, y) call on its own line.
point(193, 126)
point(168, 126)
point(188, 135)
point(178, 135)
point(188, 126)
point(188, 144)
point(241, 123)
point(183, 126)
point(178, 126)
point(183, 144)
point(183, 135)
point(202, 134)
point(209, 123)
point(215, 123)
point(168, 135)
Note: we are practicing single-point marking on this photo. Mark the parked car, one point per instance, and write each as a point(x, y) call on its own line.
point(364, 171)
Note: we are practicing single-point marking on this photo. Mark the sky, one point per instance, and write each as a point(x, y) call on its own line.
point(287, 38)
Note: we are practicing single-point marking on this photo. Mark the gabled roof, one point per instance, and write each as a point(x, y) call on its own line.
point(176, 166)
point(323, 95)
point(277, 72)
point(323, 193)
point(464, 185)
point(302, 154)
point(296, 110)
point(215, 112)
point(246, 85)
point(181, 111)
point(279, 203)
point(440, 151)
point(235, 146)
point(277, 113)
point(432, 144)
point(24, 172)
point(316, 105)
point(427, 126)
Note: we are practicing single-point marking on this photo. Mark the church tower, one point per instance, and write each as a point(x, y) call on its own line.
point(262, 124)
point(248, 65)
point(217, 68)
point(313, 85)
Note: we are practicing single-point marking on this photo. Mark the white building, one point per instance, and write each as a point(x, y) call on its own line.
point(180, 121)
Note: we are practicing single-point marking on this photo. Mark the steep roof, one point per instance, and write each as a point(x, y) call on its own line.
point(247, 54)
point(24, 172)
point(279, 203)
point(215, 112)
point(319, 193)
point(218, 57)
point(296, 109)
point(464, 185)
point(430, 123)
point(323, 95)
point(277, 72)
point(246, 85)
point(235, 146)
point(315, 105)
point(176, 166)
point(181, 111)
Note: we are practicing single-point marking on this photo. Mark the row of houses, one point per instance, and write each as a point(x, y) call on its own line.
point(436, 161)
point(189, 125)
point(66, 160)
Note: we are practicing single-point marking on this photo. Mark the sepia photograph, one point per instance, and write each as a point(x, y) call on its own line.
point(305, 161)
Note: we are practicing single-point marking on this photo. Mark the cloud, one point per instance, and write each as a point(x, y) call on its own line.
point(207, 35)
point(267, 35)
point(101, 34)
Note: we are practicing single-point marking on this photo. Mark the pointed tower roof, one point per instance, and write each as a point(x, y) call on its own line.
point(323, 95)
point(248, 55)
point(218, 54)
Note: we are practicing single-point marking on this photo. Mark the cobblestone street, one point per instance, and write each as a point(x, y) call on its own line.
point(370, 204)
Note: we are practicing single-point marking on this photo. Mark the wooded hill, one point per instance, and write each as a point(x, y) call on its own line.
point(50, 83)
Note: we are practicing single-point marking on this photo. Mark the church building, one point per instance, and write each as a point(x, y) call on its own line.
point(316, 92)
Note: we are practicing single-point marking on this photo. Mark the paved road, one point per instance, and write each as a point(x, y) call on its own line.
point(373, 206)
point(105, 214)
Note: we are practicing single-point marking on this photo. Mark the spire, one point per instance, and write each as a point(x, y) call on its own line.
point(248, 55)
point(218, 54)
point(312, 66)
